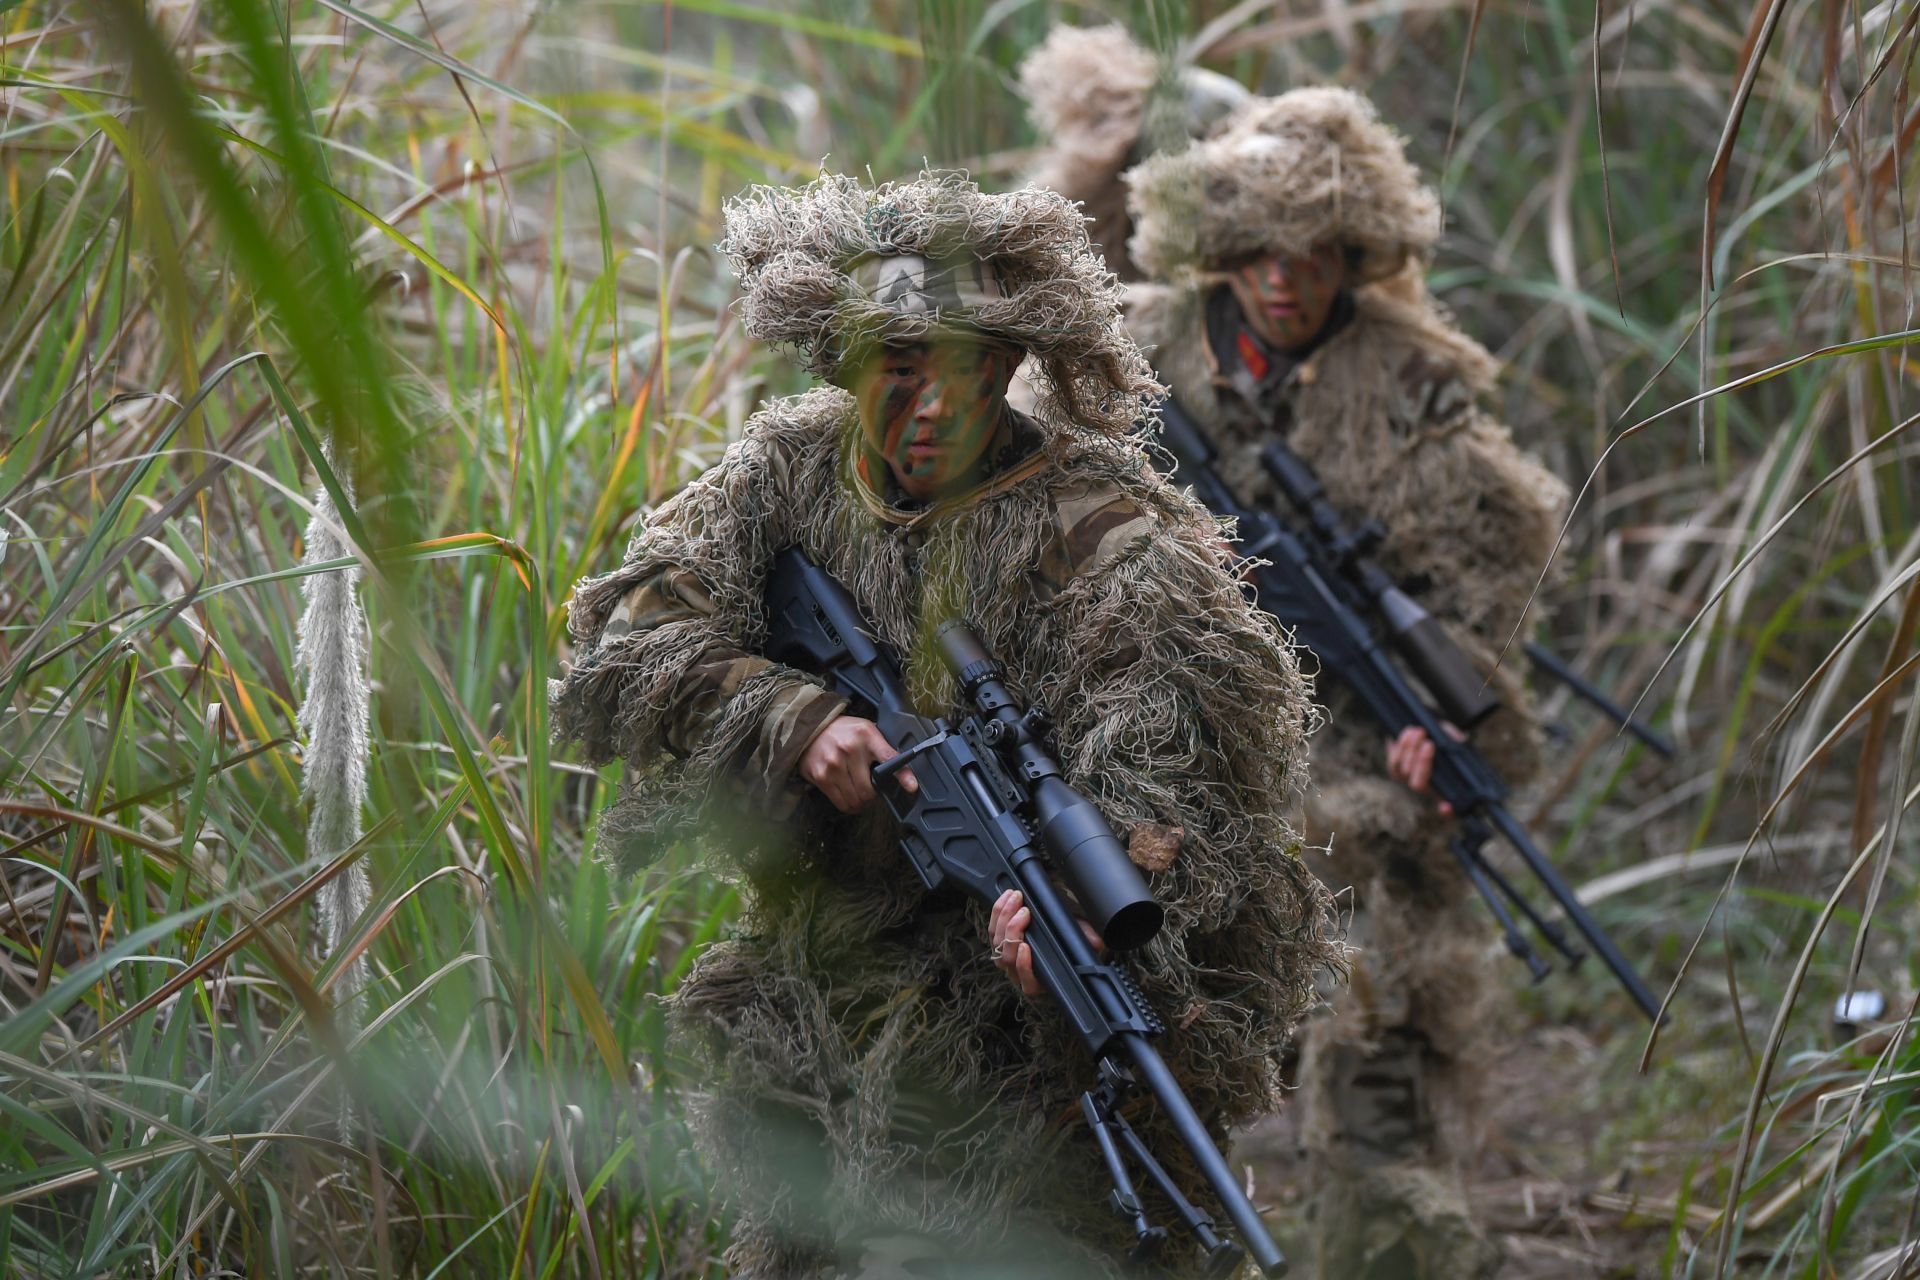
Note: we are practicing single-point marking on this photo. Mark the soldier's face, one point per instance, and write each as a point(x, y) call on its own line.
point(931, 409)
point(1286, 298)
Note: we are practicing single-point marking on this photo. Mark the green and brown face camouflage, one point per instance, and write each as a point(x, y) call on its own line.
point(933, 408)
point(1286, 297)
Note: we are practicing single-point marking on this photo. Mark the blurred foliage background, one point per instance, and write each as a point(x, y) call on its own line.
point(292, 290)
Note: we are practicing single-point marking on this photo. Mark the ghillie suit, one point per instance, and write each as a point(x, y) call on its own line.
point(1384, 409)
point(1090, 95)
point(870, 1076)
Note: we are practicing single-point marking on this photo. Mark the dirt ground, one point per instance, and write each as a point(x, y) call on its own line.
point(1568, 1197)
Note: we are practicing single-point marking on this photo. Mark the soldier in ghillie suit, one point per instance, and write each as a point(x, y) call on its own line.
point(1291, 244)
point(882, 1098)
point(1091, 94)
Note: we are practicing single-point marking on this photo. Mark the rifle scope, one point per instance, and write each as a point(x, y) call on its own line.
point(1459, 689)
point(1110, 889)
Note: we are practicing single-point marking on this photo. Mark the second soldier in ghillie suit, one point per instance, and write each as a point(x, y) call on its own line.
point(1290, 245)
point(1096, 100)
point(882, 1099)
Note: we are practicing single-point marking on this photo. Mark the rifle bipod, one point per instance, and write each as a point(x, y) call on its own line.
point(1101, 1107)
point(1493, 886)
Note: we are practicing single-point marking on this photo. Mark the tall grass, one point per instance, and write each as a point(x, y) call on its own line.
point(1701, 287)
point(215, 283)
point(446, 266)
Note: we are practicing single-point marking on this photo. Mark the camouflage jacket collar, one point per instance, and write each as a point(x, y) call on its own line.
point(1252, 379)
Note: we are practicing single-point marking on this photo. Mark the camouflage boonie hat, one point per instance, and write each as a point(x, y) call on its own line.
point(1282, 175)
point(912, 284)
point(828, 268)
point(921, 297)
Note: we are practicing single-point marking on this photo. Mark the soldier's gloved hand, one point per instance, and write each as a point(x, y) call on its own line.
point(1007, 929)
point(840, 762)
point(1410, 758)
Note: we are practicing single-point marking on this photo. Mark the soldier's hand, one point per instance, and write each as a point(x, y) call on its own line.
point(1410, 759)
point(1007, 929)
point(840, 762)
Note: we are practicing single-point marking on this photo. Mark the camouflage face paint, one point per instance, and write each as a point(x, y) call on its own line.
point(933, 410)
point(1286, 298)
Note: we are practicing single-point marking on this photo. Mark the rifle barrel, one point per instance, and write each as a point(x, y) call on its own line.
point(1159, 1080)
point(1590, 693)
point(1589, 928)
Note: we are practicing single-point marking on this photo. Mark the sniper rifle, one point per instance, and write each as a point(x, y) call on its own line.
point(991, 812)
point(1318, 581)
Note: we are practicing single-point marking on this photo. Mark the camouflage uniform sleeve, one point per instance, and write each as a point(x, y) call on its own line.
point(1093, 524)
point(796, 712)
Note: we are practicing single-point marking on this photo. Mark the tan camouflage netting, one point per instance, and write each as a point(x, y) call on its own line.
point(1279, 176)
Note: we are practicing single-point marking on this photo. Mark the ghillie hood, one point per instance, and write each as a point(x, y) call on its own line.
point(832, 266)
point(1089, 91)
point(1282, 175)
